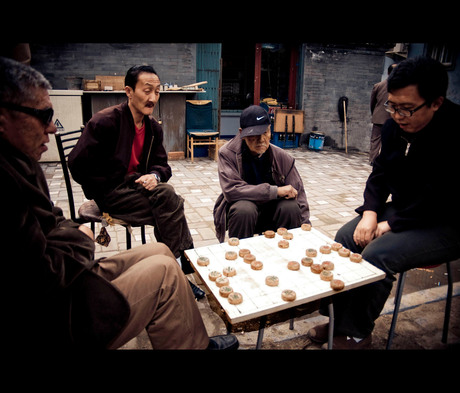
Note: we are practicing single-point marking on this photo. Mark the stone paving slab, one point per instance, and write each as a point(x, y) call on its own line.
point(334, 183)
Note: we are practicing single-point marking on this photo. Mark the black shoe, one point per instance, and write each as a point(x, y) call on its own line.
point(185, 263)
point(199, 294)
point(226, 342)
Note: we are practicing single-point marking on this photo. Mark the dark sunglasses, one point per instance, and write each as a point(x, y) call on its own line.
point(44, 115)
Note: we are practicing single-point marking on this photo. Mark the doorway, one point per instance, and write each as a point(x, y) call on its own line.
point(252, 72)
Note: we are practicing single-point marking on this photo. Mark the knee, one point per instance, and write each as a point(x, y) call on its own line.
point(165, 195)
point(342, 234)
point(288, 207)
point(162, 249)
point(166, 190)
point(149, 249)
point(243, 209)
point(345, 235)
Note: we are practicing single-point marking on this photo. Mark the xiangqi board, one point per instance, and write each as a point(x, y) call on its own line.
point(258, 298)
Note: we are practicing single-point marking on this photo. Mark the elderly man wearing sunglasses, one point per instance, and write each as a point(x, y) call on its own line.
point(55, 295)
point(30, 138)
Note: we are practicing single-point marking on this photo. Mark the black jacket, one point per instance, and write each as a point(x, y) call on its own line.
point(100, 159)
point(420, 171)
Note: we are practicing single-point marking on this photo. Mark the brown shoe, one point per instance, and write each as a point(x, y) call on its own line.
point(319, 334)
point(345, 342)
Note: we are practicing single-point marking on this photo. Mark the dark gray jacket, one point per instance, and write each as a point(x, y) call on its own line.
point(234, 188)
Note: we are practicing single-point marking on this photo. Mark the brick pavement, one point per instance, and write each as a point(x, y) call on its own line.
point(334, 183)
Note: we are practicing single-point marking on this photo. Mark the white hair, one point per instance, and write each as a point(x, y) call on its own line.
point(19, 82)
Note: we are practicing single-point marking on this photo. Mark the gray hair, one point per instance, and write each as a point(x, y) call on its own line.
point(19, 82)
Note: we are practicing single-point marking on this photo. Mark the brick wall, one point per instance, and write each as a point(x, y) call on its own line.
point(175, 63)
point(330, 73)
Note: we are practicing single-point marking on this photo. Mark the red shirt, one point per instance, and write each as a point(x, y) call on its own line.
point(136, 151)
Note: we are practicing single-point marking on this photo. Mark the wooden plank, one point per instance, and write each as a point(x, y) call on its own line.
point(172, 114)
point(280, 120)
point(260, 299)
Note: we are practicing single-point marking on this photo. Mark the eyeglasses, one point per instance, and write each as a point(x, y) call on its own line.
point(402, 112)
point(44, 115)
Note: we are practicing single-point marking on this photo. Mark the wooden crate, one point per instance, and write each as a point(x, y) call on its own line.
point(109, 82)
point(212, 148)
point(91, 85)
point(176, 155)
point(280, 120)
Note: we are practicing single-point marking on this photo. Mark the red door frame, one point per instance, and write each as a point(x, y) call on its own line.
point(257, 71)
point(292, 75)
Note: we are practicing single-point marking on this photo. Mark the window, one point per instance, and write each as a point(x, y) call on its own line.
point(237, 75)
point(444, 53)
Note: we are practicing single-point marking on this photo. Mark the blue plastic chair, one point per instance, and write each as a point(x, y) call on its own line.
point(199, 127)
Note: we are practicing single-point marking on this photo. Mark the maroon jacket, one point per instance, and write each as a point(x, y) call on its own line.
point(99, 161)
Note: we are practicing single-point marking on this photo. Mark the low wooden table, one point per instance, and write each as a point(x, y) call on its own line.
point(259, 299)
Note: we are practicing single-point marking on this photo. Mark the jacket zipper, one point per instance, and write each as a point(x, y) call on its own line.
point(407, 147)
point(148, 155)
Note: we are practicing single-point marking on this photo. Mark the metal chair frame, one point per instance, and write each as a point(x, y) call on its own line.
point(398, 296)
point(65, 142)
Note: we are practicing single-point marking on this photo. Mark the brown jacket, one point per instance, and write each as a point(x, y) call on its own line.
point(234, 188)
point(379, 96)
point(53, 299)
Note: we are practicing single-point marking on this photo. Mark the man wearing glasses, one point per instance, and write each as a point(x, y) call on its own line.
point(419, 226)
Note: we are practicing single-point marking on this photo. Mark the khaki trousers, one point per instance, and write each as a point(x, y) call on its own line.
point(159, 296)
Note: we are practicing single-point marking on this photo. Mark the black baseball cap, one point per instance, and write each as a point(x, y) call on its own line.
point(254, 121)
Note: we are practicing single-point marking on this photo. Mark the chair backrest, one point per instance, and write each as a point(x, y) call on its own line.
point(65, 142)
point(198, 116)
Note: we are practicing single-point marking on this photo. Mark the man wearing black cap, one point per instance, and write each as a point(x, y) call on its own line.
point(261, 187)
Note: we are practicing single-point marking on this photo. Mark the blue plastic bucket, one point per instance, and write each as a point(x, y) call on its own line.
point(316, 141)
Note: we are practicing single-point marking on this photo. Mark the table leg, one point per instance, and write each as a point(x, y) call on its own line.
point(291, 321)
point(331, 324)
point(260, 336)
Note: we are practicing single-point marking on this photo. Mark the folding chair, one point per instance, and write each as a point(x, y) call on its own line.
point(398, 296)
point(88, 212)
point(199, 127)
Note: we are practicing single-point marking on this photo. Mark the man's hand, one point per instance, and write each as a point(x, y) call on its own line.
point(287, 192)
point(366, 228)
point(382, 228)
point(148, 181)
point(87, 231)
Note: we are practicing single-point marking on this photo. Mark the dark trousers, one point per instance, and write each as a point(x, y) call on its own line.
point(161, 207)
point(245, 218)
point(356, 310)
